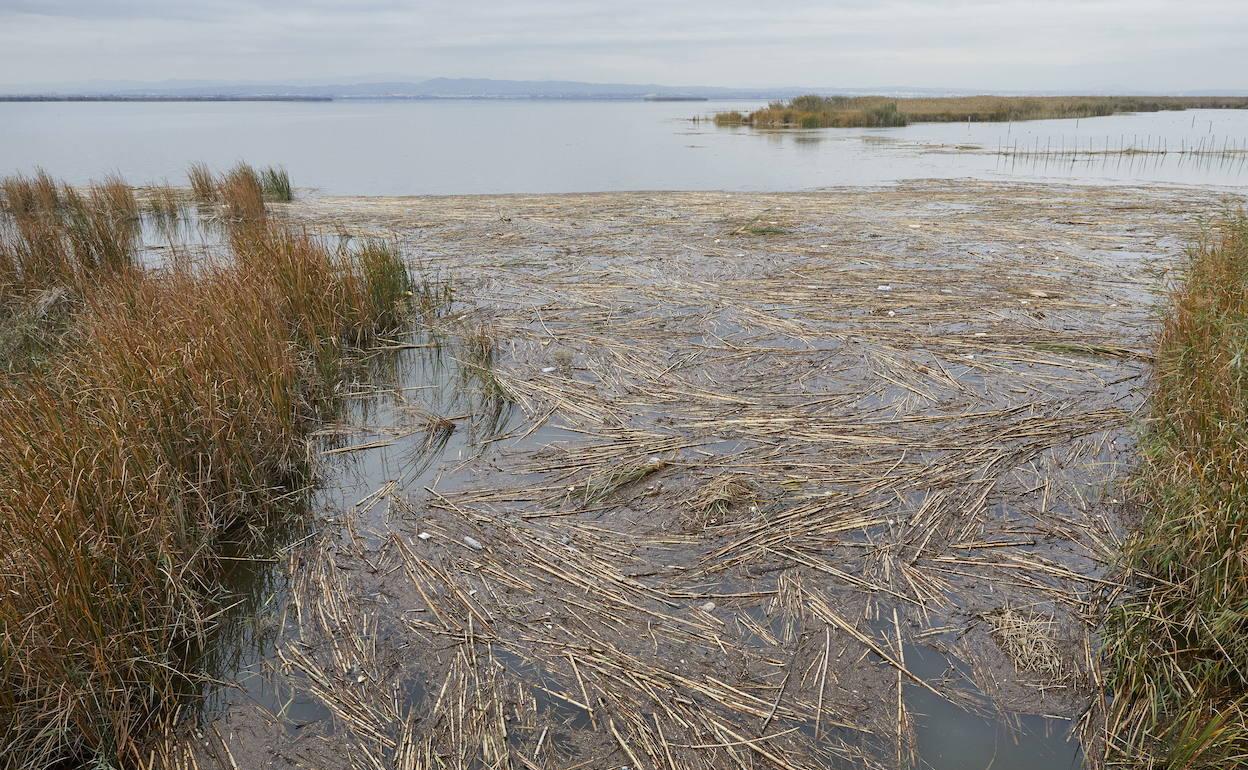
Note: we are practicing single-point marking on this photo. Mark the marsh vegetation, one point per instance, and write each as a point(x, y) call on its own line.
point(884, 112)
point(151, 413)
point(1178, 642)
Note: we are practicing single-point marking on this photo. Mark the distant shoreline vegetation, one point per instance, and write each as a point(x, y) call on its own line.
point(887, 112)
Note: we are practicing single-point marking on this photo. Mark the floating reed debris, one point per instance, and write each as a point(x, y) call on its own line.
point(918, 469)
point(1177, 644)
point(1029, 639)
point(722, 496)
point(172, 417)
point(881, 111)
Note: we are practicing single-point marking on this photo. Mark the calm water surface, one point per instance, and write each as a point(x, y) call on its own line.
point(452, 147)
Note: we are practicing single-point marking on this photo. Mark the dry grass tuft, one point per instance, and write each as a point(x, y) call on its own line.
point(54, 235)
point(203, 183)
point(243, 195)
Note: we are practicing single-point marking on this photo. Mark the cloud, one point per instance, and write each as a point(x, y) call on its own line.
point(999, 44)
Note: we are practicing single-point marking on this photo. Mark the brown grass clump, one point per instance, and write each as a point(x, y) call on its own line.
point(243, 194)
point(1177, 646)
point(203, 183)
point(27, 196)
point(54, 235)
point(175, 414)
point(881, 111)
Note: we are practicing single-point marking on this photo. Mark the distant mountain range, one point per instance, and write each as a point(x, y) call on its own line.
point(444, 88)
point(433, 88)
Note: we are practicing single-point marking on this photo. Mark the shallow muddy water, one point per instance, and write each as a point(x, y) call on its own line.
point(465, 147)
point(923, 392)
point(378, 446)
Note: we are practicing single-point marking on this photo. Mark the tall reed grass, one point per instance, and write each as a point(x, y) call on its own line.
point(243, 188)
point(203, 183)
point(243, 194)
point(174, 418)
point(1177, 646)
point(54, 235)
point(276, 183)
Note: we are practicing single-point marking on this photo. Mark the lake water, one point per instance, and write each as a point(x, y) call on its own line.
point(454, 147)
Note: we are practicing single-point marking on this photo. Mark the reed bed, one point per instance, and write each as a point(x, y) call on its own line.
point(54, 235)
point(1178, 643)
point(172, 416)
point(762, 483)
point(880, 111)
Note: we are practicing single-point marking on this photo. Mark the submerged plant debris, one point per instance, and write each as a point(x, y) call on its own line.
point(685, 497)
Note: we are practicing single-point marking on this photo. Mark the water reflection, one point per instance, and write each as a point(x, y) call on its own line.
point(952, 738)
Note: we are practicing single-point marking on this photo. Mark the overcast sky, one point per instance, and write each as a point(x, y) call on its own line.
point(991, 44)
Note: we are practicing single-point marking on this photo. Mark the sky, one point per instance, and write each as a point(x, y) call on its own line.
point(1080, 45)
